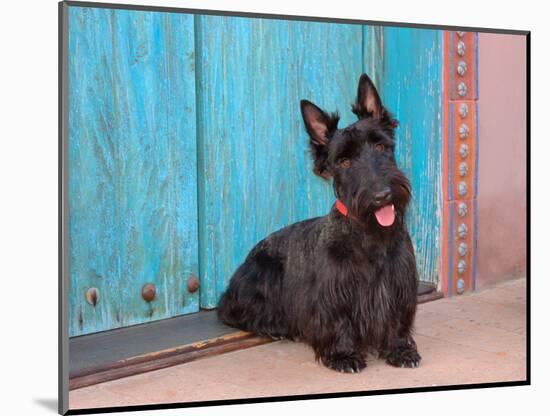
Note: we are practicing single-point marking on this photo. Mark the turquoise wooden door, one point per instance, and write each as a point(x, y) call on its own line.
point(132, 167)
point(187, 146)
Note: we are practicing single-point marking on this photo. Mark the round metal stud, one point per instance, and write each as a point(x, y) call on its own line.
point(463, 110)
point(463, 169)
point(462, 188)
point(463, 131)
point(460, 34)
point(460, 48)
point(193, 284)
point(148, 292)
point(92, 296)
point(462, 89)
point(460, 286)
point(461, 266)
point(462, 209)
point(462, 230)
point(461, 68)
point(464, 150)
point(462, 249)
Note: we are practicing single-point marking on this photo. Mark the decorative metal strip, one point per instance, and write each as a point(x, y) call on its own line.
point(461, 113)
point(464, 150)
point(463, 66)
point(450, 255)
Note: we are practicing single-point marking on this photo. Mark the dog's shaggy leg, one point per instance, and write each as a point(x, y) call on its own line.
point(334, 345)
point(399, 348)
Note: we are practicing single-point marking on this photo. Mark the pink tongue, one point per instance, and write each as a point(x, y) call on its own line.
point(385, 215)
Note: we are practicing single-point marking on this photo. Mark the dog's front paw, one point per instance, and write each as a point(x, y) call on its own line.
point(404, 358)
point(348, 363)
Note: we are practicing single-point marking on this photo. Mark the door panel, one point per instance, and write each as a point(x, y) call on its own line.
point(132, 166)
point(255, 168)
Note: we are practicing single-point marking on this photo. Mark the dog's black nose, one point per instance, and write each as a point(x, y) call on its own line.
point(383, 196)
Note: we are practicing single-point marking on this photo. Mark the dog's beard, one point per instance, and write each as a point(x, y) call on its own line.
point(365, 211)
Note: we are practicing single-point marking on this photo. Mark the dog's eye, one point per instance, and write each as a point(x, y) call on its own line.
point(379, 147)
point(344, 163)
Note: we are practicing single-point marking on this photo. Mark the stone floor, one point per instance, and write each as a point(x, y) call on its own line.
point(474, 338)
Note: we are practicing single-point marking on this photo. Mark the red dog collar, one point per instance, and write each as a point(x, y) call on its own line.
point(341, 208)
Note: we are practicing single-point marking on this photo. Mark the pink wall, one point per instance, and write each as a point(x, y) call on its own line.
point(501, 246)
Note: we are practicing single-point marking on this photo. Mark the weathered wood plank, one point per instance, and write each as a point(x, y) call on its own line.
point(255, 168)
point(105, 348)
point(93, 159)
point(226, 148)
point(162, 359)
point(132, 165)
point(410, 80)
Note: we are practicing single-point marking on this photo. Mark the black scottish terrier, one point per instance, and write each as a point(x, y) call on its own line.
point(344, 283)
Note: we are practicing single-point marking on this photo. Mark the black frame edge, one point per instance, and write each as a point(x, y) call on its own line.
point(181, 405)
point(528, 202)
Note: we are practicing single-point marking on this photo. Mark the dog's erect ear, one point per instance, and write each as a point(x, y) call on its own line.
point(320, 126)
point(367, 103)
